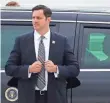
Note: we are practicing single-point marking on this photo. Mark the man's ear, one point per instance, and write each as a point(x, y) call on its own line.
point(49, 19)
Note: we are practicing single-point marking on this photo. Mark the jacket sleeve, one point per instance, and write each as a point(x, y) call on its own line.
point(70, 67)
point(13, 65)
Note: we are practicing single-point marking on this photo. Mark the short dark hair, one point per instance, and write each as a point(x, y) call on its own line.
point(47, 11)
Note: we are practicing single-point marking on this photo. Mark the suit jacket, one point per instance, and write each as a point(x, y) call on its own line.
point(23, 55)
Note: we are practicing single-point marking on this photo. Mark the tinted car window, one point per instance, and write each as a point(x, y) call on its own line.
point(68, 29)
point(96, 52)
point(8, 35)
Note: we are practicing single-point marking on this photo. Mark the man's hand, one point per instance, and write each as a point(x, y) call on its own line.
point(50, 66)
point(35, 67)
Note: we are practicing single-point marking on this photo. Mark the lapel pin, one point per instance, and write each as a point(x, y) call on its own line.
point(53, 42)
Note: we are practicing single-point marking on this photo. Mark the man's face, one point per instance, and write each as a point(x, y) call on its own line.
point(39, 21)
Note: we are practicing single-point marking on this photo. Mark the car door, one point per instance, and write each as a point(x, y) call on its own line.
point(93, 36)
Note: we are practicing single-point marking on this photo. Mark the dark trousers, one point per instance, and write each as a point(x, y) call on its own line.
point(40, 97)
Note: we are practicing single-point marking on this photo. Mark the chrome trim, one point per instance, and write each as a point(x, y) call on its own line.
point(73, 12)
point(82, 70)
point(104, 13)
point(93, 22)
point(14, 11)
point(70, 21)
point(16, 20)
point(31, 11)
point(31, 20)
point(65, 21)
point(95, 70)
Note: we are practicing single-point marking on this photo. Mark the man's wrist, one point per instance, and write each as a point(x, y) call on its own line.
point(29, 68)
point(55, 68)
point(56, 73)
point(29, 71)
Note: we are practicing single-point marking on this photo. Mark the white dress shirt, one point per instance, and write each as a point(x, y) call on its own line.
point(46, 42)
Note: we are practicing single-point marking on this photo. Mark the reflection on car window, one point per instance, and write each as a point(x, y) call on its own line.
point(96, 53)
point(96, 46)
point(106, 48)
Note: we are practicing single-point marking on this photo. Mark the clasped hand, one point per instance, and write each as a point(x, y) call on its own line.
point(37, 66)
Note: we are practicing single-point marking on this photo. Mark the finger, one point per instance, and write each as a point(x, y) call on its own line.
point(38, 62)
point(47, 68)
point(38, 66)
point(49, 63)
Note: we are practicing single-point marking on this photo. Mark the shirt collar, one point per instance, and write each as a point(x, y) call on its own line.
point(37, 35)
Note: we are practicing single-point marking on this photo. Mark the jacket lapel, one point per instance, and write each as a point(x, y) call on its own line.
point(52, 98)
point(31, 48)
point(51, 57)
point(52, 46)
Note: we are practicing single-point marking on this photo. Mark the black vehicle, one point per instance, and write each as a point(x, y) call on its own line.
point(89, 36)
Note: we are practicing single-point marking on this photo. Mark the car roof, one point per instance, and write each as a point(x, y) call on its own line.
point(64, 9)
point(58, 15)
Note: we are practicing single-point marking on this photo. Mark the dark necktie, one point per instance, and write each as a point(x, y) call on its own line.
point(41, 57)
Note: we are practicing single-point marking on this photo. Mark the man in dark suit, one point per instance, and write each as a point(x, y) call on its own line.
point(42, 61)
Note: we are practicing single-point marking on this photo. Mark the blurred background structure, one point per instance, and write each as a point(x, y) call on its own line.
point(67, 4)
point(12, 3)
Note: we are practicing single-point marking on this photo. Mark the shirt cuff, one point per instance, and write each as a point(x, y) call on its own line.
point(56, 73)
point(29, 74)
